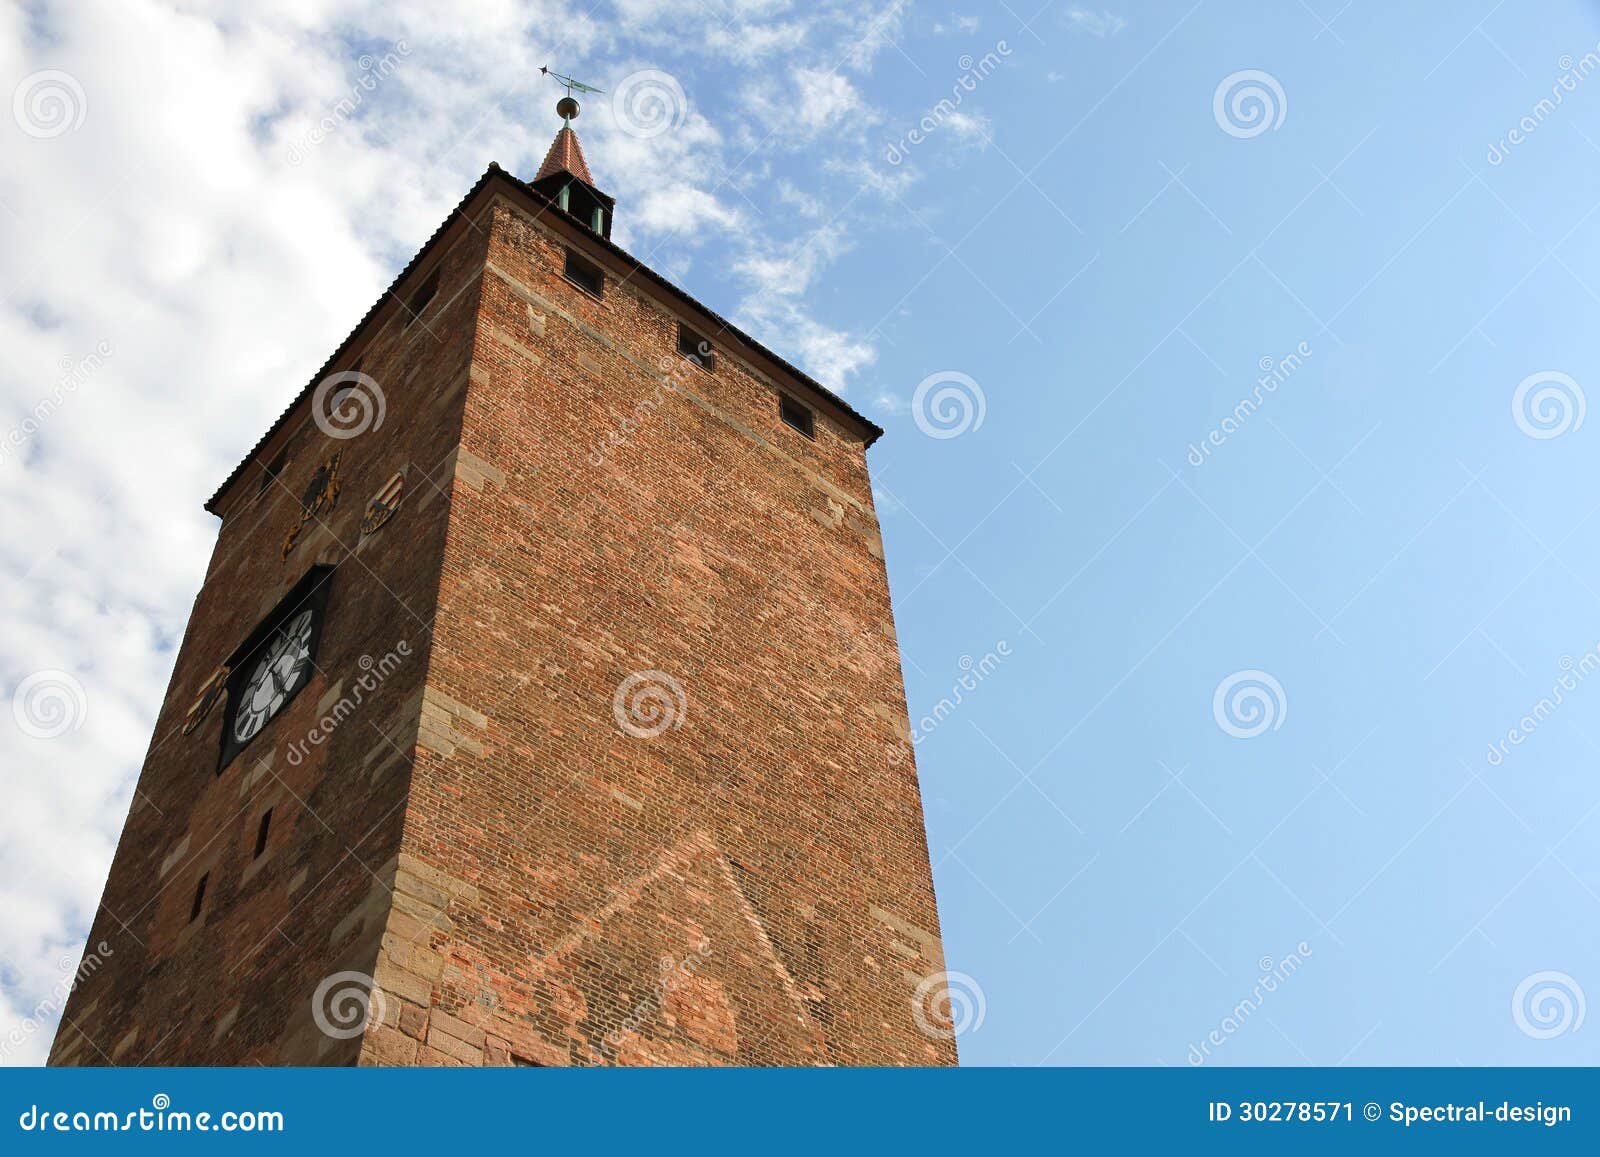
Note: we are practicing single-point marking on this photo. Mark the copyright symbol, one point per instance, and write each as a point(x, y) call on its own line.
point(1372, 1112)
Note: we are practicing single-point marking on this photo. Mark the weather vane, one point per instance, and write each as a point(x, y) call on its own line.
point(567, 106)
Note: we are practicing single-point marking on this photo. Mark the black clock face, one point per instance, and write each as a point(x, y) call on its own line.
point(281, 666)
point(274, 663)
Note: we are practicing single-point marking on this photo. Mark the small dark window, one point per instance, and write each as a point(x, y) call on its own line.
point(261, 833)
point(199, 898)
point(274, 468)
point(344, 391)
point(423, 295)
point(696, 348)
point(584, 275)
point(798, 416)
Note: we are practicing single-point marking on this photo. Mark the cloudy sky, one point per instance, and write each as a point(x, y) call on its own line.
point(1053, 247)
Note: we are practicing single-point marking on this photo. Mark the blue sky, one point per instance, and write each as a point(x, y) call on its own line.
point(1111, 265)
point(1376, 536)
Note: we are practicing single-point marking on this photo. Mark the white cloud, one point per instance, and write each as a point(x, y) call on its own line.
point(794, 111)
point(867, 31)
point(751, 44)
point(788, 271)
point(885, 502)
point(887, 181)
point(825, 98)
point(779, 276)
point(833, 355)
point(791, 194)
point(1099, 23)
point(968, 126)
point(683, 210)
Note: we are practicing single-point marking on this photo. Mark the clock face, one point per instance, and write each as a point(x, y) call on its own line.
point(276, 673)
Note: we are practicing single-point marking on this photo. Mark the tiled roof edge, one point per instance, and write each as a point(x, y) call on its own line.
point(874, 431)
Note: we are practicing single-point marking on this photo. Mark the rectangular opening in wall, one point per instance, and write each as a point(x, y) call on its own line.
point(199, 898)
point(274, 468)
point(696, 348)
point(348, 387)
point(798, 416)
point(585, 275)
point(424, 294)
point(261, 833)
point(344, 390)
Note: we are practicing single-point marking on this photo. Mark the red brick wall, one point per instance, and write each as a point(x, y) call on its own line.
point(532, 873)
point(749, 886)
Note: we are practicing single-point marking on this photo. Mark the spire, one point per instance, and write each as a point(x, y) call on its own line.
point(565, 156)
point(564, 177)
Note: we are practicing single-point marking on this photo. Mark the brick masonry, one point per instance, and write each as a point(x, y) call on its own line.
point(638, 791)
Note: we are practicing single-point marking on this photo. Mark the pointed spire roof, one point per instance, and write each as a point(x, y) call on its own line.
point(565, 156)
point(565, 178)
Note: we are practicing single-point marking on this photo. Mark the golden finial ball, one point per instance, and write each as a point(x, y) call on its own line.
point(566, 108)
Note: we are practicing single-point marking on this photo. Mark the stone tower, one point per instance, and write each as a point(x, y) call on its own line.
point(541, 704)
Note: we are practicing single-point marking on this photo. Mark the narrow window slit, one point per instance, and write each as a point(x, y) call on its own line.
point(273, 469)
point(423, 295)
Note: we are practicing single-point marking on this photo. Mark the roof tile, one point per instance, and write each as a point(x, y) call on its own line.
point(565, 156)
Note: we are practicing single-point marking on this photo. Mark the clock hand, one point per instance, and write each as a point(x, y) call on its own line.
point(271, 672)
point(294, 657)
point(282, 682)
